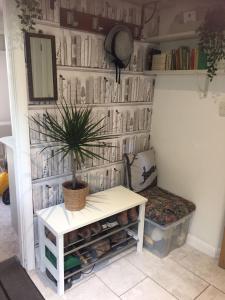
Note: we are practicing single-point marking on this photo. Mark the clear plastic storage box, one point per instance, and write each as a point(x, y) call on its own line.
point(161, 240)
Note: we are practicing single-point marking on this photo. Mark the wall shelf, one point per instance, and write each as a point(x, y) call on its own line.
point(177, 72)
point(173, 37)
point(99, 70)
point(182, 72)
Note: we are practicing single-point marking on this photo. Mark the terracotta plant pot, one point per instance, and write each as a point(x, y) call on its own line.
point(75, 199)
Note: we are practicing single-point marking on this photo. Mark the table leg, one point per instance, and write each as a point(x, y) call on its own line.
point(41, 233)
point(60, 265)
point(141, 227)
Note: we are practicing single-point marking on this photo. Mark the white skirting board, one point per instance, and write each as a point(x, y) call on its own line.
point(202, 246)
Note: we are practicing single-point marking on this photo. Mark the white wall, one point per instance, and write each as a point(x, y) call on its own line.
point(189, 137)
point(4, 95)
point(171, 14)
point(1, 20)
point(5, 127)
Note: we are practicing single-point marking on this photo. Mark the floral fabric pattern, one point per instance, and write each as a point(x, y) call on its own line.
point(164, 207)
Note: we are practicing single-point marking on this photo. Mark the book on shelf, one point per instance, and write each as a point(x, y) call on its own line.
point(149, 56)
point(159, 61)
point(183, 58)
point(202, 60)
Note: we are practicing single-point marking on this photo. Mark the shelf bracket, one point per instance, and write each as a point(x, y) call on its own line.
point(206, 87)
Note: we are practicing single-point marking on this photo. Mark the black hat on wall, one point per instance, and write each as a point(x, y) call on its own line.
point(119, 44)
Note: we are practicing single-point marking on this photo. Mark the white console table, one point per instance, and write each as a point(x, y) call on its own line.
point(61, 221)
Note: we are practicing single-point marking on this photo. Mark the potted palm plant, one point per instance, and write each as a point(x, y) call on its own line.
point(212, 38)
point(75, 133)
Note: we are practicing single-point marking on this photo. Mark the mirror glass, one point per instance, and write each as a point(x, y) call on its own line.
point(41, 63)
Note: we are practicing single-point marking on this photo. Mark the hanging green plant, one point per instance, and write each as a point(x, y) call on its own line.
point(29, 11)
point(212, 39)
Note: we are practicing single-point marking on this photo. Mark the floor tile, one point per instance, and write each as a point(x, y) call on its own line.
point(205, 267)
point(48, 289)
point(8, 237)
point(120, 276)
point(122, 254)
point(168, 274)
point(147, 290)
point(92, 289)
point(113, 259)
point(42, 284)
point(180, 253)
point(212, 294)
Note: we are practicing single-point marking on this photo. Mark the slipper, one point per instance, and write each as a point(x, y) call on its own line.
point(122, 218)
point(132, 214)
point(85, 233)
point(95, 228)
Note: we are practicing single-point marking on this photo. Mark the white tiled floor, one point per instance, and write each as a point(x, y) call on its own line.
point(185, 274)
point(8, 238)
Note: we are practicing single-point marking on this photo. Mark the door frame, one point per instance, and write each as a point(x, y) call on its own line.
point(18, 98)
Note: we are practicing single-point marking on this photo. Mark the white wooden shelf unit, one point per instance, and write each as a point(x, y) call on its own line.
point(182, 72)
point(99, 206)
point(173, 37)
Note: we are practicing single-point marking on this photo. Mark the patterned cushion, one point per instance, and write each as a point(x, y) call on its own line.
point(164, 207)
point(140, 170)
